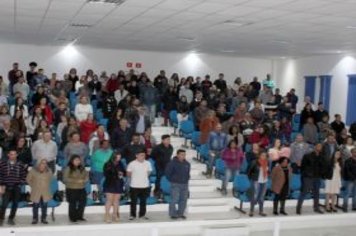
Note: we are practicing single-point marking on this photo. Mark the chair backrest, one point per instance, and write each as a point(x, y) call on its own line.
point(173, 116)
point(241, 183)
point(88, 187)
point(244, 166)
point(165, 185)
point(196, 138)
point(187, 127)
point(296, 119)
point(220, 166)
point(296, 182)
point(53, 186)
point(204, 151)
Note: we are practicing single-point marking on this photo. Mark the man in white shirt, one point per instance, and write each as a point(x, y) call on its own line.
point(46, 149)
point(139, 171)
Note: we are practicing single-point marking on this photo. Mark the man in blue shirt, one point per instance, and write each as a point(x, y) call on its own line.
point(217, 141)
point(178, 174)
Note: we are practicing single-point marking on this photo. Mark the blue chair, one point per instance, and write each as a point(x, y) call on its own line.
point(166, 189)
point(196, 141)
point(293, 136)
point(53, 203)
point(88, 189)
point(296, 119)
point(248, 147)
point(187, 128)
point(240, 187)
point(204, 153)
point(219, 169)
point(174, 119)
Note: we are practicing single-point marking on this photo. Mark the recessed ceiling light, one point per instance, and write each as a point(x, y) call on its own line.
point(80, 25)
point(351, 27)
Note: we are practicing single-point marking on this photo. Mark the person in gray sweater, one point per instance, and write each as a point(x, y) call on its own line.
point(76, 147)
point(310, 131)
point(298, 149)
point(45, 149)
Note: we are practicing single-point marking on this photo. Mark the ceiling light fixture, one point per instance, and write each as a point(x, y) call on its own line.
point(116, 2)
point(281, 41)
point(80, 25)
point(351, 27)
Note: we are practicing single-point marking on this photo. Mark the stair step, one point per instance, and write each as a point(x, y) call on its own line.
point(209, 208)
point(208, 201)
point(204, 195)
point(202, 189)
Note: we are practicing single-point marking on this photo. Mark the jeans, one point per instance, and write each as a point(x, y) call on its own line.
point(135, 194)
point(179, 195)
point(151, 111)
point(350, 189)
point(97, 177)
point(258, 193)
point(213, 155)
point(12, 194)
point(309, 184)
point(77, 199)
point(229, 172)
point(36, 207)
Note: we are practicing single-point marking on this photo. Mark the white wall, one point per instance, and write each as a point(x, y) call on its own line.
point(290, 74)
point(55, 59)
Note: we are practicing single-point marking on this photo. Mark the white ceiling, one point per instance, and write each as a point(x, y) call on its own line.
point(259, 28)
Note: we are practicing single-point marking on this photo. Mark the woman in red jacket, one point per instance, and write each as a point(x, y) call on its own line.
point(233, 157)
point(46, 110)
point(260, 137)
point(87, 127)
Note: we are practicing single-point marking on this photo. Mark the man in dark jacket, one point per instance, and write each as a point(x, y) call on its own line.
point(352, 131)
point(121, 136)
point(178, 174)
point(12, 176)
point(130, 150)
point(161, 154)
point(350, 178)
point(311, 171)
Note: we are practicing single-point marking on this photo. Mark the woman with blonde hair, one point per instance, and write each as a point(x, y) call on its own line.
point(39, 178)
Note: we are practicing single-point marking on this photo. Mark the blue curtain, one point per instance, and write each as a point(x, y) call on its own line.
point(310, 82)
point(351, 101)
point(325, 89)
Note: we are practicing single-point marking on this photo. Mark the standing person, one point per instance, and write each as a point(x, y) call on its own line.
point(45, 148)
point(76, 147)
point(178, 174)
point(233, 157)
point(83, 109)
point(98, 160)
point(258, 175)
point(333, 181)
point(39, 179)
point(350, 178)
point(12, 176)
point(75, 178)
point(149, 97)
point(311, 171)
point(139, 171)
point(298, 149)
point(281, 176)
point(114, 172)
point(161, 154)
point(217, 141)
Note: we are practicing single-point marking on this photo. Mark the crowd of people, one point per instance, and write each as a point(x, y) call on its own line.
point(97, 129)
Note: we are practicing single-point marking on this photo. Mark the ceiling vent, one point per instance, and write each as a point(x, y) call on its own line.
point(116, 2)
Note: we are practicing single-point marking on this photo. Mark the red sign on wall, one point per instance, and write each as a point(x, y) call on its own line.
point(129, 64)
point(138, 65)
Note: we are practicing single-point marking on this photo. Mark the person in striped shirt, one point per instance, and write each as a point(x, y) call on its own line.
point(12, 176)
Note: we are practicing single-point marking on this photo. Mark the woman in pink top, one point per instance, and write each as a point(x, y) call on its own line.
point(277, 152)
point(233, 157)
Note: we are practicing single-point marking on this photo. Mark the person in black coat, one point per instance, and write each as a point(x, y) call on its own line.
point(161, 154)
point(108, 104)
point(312, 167)
point(337, 125)
point(113, 187)
point(130, 150)
point(169, 103)
point(320, 113)
point(349, 175)
point(24, 153)
point(306, 114)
